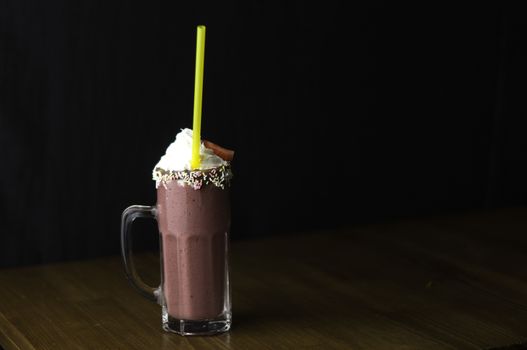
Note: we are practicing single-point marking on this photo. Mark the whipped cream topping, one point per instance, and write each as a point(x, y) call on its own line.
point(179, 154)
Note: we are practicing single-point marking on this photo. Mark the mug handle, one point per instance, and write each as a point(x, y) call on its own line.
point(129, 215)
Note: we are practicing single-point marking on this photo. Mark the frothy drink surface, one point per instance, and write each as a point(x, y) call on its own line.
point(194, 225)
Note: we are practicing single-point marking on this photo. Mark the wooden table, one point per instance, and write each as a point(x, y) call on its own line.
point(457, 282)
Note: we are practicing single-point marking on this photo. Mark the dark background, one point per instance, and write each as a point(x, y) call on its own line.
point(339, 115)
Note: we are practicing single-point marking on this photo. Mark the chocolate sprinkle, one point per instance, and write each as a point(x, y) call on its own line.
point(219, 177)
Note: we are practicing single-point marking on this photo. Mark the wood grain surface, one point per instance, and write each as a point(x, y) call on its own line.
point(457, 282)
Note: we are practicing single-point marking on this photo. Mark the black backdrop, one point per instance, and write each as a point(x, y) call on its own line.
point(338, 114)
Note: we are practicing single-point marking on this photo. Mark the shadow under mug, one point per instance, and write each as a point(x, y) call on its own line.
point(194, 238)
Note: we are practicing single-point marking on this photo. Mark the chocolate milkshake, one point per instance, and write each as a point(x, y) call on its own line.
point(193, 215)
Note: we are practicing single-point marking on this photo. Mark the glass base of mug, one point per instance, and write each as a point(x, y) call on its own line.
point(196, 327)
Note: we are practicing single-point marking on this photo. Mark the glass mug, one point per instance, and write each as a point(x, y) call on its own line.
point(194, 237)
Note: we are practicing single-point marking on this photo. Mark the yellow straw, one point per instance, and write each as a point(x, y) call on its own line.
point(198, 96)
